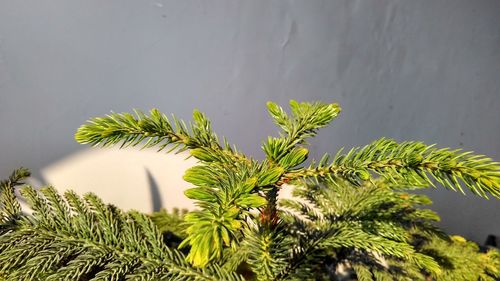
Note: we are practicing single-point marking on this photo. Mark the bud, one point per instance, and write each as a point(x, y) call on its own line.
point(198, 117)
point(363, 175)
point(273, 108)
point(415, 160)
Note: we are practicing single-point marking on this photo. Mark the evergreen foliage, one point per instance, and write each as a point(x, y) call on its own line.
point(351, 216)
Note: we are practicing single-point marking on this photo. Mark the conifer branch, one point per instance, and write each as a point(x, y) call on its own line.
point(352, 209)
point(409, 163)
point(268, 251)
point(305, 120)
point(371, 218)
point(75, 239)
point(10, 209)
point(156, 129)
point(462, 259)
point(171, 224)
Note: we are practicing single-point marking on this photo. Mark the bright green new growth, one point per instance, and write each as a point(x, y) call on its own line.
point(350, 213)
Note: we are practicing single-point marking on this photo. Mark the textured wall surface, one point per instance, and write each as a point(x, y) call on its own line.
point(425, 70)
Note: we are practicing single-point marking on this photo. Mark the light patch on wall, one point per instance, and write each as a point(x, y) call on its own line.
point(130, 178)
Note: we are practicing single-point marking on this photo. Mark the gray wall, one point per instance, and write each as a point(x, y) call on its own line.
point(425, 70)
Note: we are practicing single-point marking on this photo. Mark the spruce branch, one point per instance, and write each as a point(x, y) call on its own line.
point(463, 260)
point(352, 208)
point(409, 163)
point(171, 224)
point(371, 218)
point(73, 238)
point(268, 251)
point(225, 195)
point(156, 129)
point(215, 186)
point(305, 120)
point(10, 209)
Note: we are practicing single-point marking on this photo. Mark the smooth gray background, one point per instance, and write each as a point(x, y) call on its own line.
point(423, 70)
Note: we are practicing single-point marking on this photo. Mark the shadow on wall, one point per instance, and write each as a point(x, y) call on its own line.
point(143, 180)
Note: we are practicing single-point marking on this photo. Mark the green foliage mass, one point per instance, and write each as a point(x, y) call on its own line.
point(351, 215)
